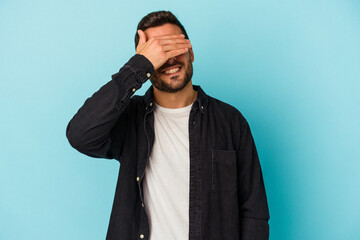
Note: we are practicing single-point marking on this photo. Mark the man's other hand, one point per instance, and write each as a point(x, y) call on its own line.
point(161, 48)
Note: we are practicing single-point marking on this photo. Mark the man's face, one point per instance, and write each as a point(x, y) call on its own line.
point(176, 73)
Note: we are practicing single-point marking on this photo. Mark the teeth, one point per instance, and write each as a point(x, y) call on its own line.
point(173, 70)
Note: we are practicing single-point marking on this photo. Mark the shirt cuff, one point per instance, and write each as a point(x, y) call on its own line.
point(141, 66)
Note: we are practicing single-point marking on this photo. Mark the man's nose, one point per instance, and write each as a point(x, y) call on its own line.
point(171, 60)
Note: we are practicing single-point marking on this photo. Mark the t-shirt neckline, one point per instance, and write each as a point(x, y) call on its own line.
point(173, 110)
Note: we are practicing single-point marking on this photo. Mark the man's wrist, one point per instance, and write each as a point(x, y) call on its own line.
point(141, 64)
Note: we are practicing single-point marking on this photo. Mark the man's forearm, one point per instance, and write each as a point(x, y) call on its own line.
point(89, 130)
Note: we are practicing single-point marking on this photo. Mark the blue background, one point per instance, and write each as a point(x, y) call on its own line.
point(291, 67)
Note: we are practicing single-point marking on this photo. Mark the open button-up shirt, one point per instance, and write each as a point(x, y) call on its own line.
point(227, 194)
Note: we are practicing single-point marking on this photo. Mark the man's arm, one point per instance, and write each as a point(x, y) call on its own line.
point(90, 130)
point(254, 213)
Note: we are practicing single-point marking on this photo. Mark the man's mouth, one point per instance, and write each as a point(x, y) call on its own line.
point(171, 70)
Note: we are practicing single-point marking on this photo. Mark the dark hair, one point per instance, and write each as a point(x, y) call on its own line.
point(156, 19)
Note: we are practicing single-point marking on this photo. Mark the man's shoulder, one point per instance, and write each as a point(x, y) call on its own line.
point(227, 115)
point(224, 107)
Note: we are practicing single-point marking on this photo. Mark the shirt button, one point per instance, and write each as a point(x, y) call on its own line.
point(202, 107)
point(142, 236)
point(151, 104)
point(142, 205)
point(137, 179)
point(148, 75)
point(134, 89)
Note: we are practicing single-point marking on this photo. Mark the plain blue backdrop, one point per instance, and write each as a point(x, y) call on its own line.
point(291, 67)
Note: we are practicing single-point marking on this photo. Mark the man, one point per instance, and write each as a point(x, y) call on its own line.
point(189, 168)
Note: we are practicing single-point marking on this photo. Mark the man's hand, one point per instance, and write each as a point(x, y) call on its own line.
point(159, 49)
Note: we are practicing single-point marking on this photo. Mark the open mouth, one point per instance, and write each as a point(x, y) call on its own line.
point(171, 70)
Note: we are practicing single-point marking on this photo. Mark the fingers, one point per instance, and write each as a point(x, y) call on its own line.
point(170, 42)
point(171, 47)
point(170, 36)
point(142, 37)
point(176, 52)
point(174, 41)
point(159, 49)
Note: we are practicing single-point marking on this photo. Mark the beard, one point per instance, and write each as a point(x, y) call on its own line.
point(165, 87)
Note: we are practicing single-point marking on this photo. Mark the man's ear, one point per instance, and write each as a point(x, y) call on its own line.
point(191, 54)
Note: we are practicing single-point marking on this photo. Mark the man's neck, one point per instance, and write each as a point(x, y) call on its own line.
point(179, 99)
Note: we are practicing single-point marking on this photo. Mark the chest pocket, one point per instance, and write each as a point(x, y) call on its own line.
point(223, 165)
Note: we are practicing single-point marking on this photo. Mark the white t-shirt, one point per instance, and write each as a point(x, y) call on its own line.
point(166, 181)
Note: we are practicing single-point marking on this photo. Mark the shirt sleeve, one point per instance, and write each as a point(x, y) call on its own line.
point(92, 129)
point(254, 213)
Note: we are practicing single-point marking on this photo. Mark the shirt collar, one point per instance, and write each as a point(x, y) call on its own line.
point(201, 99)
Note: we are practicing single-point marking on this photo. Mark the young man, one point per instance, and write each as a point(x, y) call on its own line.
point(189, 167)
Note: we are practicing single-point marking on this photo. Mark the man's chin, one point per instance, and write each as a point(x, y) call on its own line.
point(175, 85)
point(172, 81)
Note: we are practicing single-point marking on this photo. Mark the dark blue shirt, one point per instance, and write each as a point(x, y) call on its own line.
point(227, 194)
